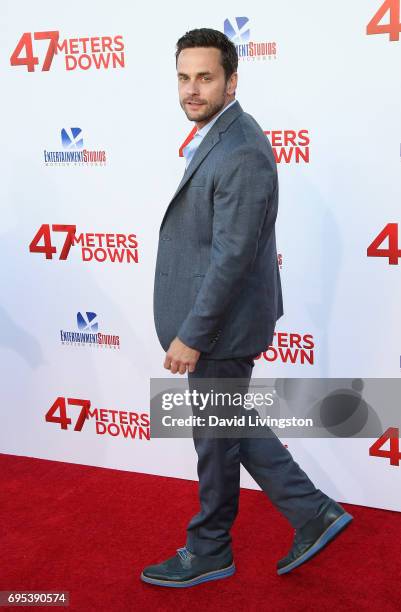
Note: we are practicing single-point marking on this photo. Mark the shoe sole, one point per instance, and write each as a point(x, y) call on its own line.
point(331, 532)
point(215, 575)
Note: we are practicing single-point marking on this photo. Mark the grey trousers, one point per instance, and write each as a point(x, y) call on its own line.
point(266, 459)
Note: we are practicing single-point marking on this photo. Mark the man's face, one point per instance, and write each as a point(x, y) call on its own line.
point(202, 87)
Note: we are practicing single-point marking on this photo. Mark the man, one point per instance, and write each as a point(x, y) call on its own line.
point(217, 297)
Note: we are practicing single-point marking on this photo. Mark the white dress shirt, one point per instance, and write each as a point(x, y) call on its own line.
point(189, 150)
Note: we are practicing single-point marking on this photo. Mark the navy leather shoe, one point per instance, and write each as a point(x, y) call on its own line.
point(312, 537)
point(186, 569)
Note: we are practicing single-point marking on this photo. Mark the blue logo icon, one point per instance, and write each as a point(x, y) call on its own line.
point(236, 30)
point(71, 138)
point(86, 323)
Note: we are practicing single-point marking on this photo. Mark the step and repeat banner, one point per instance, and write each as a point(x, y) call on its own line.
point(92, 137)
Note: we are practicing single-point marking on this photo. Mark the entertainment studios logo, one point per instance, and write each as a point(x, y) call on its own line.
point(73, 152)
point(88, 334)
point(238, 32)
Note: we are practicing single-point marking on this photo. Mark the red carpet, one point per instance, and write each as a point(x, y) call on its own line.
point(91, 530)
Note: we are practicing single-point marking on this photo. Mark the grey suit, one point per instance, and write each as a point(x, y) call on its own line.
point(217, 283)
point(217, 287)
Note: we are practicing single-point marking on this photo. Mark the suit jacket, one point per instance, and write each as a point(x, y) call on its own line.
point(217, 282)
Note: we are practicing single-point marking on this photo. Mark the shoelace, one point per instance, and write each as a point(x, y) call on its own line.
point(185, 554)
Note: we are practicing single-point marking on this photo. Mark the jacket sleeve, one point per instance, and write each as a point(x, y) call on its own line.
point(244, 183)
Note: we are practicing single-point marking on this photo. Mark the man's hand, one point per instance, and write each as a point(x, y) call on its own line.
point(180, 356)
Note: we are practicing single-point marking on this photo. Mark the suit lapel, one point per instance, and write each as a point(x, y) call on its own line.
point(204, 148)
point(207, 144)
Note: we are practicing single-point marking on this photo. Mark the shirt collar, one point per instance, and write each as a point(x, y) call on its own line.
point(204, 130)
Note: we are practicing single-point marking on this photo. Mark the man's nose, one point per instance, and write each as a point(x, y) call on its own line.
point(192, 88)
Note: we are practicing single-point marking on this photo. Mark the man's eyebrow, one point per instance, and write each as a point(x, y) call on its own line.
point(206, 72)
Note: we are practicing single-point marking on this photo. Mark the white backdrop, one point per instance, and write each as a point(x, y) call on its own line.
point(326, 78)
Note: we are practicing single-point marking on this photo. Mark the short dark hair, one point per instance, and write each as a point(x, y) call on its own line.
point(207, 37)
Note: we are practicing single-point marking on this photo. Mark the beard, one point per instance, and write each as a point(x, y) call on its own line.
point(205, 112)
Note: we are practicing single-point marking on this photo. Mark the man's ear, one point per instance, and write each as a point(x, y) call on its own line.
point(232, 83)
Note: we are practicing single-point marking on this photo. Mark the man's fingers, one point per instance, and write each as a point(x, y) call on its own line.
point(191, 367)
point(174, 366)
point(177, 366)
point(180, 364)
point(183, 368)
